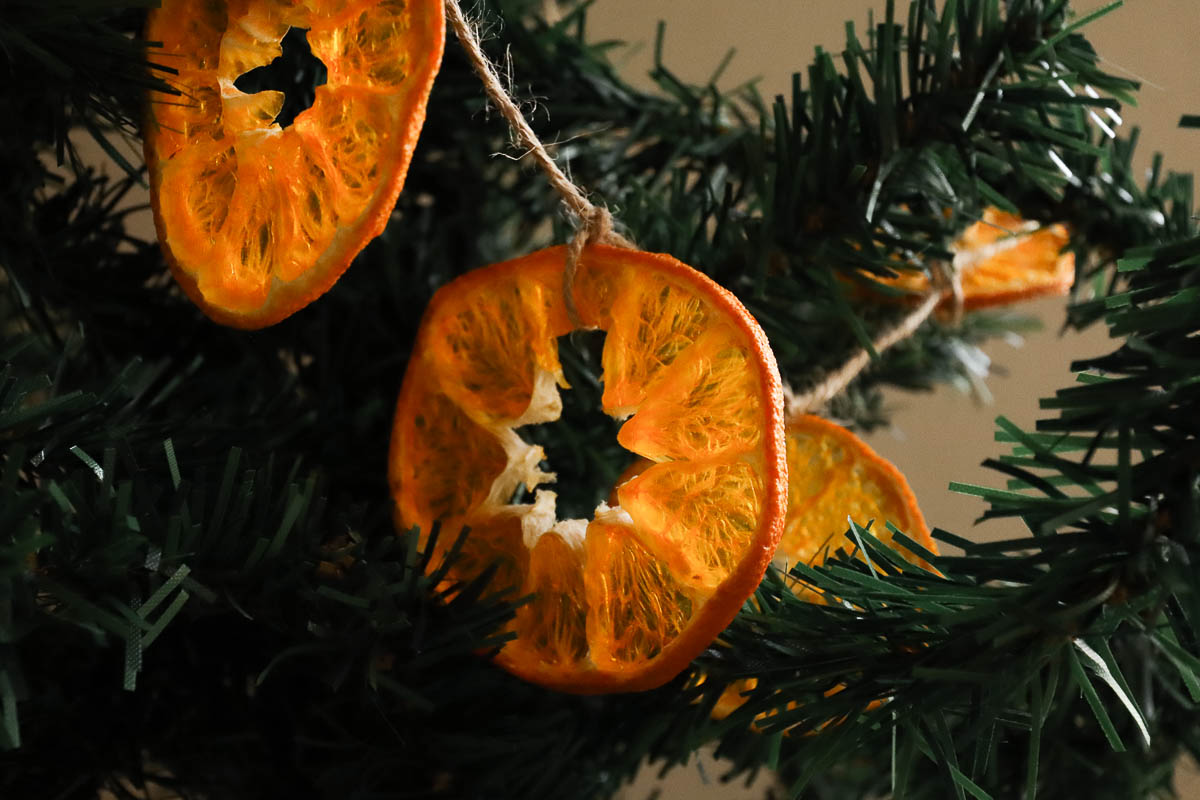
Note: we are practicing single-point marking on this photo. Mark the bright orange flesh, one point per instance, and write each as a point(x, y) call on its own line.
point(1003, 259)
point(257, 221)
point(624, 601)
point(834, 475)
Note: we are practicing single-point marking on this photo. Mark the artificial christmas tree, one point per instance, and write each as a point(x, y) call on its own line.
point(200, 582)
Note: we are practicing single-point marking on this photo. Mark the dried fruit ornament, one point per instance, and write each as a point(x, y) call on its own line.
point(257, 221)
point(832, 475)
point(1002, 259)
point(624, 601)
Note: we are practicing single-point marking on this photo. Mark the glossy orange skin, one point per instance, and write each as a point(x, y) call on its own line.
point(544, 268)
point(207, 42)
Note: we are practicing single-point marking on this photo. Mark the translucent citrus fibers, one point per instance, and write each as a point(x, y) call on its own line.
point(1004, 258)
point(834, 475)
point(625, 600)
point(256, 221)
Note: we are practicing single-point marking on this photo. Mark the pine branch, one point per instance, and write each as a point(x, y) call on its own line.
point(1103, 587)
point(89, 68)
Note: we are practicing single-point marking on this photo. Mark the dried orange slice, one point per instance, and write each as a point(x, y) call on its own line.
point(1002, 259)
point(834, 475)
point(625, 600)
point(257, 221)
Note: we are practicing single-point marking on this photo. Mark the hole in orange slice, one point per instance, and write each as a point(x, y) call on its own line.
point(296, 73)
point(256, 220)
point(626, 597)
point(581, 446)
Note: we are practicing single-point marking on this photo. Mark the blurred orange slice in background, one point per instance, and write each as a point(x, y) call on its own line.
point(256, 221)
point(833, 476)
point(1002, 259)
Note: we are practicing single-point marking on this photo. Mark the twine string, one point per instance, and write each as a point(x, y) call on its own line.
point(598, 227)
point(947, 277)
point(839, 379)
point(594, 223)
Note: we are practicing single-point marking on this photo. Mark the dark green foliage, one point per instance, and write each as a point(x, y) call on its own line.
point(200, 585)
point(581, 445)
point(71, 64)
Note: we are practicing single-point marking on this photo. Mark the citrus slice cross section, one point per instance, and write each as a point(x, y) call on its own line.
point(1002, 259)
point(622, 601)
point(256, 221)
point(834, 475)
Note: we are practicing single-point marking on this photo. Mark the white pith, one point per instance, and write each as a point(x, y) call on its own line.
point(522, 467)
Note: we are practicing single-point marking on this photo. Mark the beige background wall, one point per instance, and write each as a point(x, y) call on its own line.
point(944, 436)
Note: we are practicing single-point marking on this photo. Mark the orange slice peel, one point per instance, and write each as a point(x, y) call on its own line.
point(625, 600)
point(256, 221)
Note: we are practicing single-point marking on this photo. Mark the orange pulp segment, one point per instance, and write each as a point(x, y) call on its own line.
point(1002, 259)
point(257, 221)
point(833, 475)
point(625, 600)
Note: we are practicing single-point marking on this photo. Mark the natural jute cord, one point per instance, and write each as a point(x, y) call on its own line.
point(826, 390)
point(595, 223)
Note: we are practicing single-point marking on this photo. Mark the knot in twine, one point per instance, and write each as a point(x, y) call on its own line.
point(596, 227)
point(947, 277)
point(595, 223)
